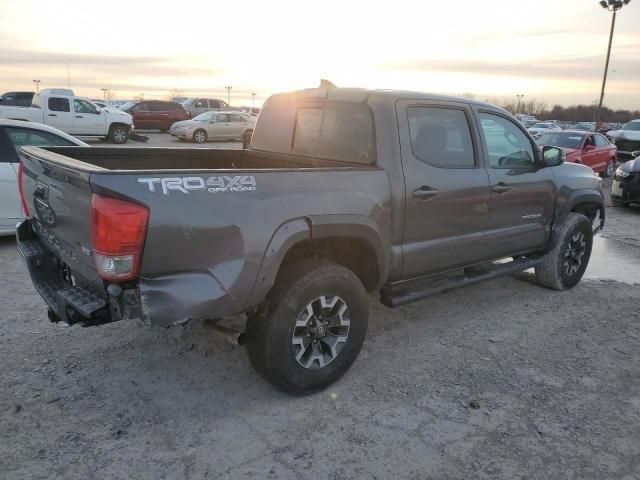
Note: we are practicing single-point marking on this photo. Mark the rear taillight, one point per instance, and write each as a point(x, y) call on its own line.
point(23, 204)
point(118, 230)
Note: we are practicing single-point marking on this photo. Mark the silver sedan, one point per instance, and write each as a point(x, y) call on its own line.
point(214, 126)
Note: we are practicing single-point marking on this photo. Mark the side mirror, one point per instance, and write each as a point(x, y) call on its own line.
point(552, 156)
point(98, 111)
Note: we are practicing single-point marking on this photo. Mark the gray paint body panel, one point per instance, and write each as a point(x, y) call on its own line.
point(216, 254)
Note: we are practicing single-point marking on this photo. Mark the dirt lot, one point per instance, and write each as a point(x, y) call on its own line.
point(499, 380)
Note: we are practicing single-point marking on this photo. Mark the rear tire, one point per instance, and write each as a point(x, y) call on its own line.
point(563, 267)
point(200, 136)
point(311, 327)
point(118, 134)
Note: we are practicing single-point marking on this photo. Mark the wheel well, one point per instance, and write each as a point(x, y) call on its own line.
point(119, 124)
point(589, 210)
point(355, 254)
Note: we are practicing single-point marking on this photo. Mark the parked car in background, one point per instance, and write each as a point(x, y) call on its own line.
point(17, 99)
point(590, 149)
point(585, 126)
point(254, 111)
point(196, 106)
point(13, 135)
point(215, 126)
point(625, 188)
point(60, 108)
point(627, 139)
point(539, 128)
point(156, 114)
point(105, 105)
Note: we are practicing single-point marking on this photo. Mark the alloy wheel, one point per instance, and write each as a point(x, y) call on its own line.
point(120, 135)
point(321, 332)
point(574, 254)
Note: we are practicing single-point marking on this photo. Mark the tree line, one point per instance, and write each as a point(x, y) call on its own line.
point(572, 113)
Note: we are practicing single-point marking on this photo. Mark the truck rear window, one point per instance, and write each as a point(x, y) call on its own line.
point(340, 131)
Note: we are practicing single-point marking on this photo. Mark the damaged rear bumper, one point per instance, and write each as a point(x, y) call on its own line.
point(159, 301)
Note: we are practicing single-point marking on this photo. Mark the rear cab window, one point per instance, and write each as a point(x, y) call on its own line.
point(341, 131)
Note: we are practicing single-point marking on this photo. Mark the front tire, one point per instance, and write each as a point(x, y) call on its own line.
point(118, 134)
point(311, 328)
point(563, 267)
point(609, 170)
point(200, 136)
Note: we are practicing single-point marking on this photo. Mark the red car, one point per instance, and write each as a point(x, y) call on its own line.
point(157, 114)
point(591, 149)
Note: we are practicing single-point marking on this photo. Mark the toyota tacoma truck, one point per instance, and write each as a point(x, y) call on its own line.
point(342, 192)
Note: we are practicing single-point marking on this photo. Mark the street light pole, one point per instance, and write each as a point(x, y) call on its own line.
point(612, 6)
point(228, 94)
point(253, 99)
point(104, 93)
point(520, 96)
point(37, 82)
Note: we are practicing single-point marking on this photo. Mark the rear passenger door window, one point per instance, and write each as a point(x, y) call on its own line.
point(506, 145)
point(57, 104)
point(441, 137)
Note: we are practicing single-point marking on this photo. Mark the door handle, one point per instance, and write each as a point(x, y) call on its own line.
point(79, 116)
point(425, 193)
point(53, 115)
point(500, 188)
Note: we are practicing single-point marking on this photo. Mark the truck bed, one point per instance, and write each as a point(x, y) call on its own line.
point(95, 159)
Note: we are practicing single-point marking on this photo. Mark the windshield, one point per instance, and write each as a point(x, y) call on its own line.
point(633, 126)
point(203, 117)
point(564, 140)
point(583, 126)
point(127, 106)
point(541, 125)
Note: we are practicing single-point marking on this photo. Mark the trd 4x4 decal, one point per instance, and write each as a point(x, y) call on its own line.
point(221, 184)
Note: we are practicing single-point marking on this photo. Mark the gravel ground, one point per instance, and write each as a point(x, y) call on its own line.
point(499, 380)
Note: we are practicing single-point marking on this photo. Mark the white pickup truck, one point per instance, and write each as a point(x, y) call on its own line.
point(78, 116)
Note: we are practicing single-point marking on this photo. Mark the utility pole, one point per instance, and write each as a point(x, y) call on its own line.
point(37, 82)
point(253, 99)
point(612, 6)
point(229, 87)
point(520, 96)
point(104, 93)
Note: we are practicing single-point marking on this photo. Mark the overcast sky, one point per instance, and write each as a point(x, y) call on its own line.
point(553, 51)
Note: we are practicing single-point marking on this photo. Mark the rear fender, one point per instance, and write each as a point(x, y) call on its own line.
point(285, 237)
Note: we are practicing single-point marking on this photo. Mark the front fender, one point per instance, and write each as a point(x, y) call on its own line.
point(583, 195)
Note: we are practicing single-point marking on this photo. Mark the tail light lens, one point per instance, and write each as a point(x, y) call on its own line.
point(23, 204)
point(118, 231)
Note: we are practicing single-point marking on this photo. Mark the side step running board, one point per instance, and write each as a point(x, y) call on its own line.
point(396, 294)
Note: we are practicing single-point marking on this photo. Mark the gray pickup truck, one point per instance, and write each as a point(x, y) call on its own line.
point(343, 192)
